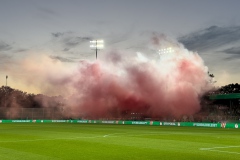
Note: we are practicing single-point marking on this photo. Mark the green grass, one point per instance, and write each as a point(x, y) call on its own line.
point(97, 141)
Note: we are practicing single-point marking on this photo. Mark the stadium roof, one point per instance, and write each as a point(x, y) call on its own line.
point(225, 96)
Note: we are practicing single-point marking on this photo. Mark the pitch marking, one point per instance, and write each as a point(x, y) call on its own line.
point(102, 136)
point(216, 149)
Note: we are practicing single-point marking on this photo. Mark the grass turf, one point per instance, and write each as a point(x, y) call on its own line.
point(97, 141)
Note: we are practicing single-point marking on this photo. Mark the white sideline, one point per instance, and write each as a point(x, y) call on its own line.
point(219, 147)
point(216, 149)
point(32, 140)
point(224, 151)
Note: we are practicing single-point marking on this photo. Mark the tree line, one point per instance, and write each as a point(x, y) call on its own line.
point(10, 97)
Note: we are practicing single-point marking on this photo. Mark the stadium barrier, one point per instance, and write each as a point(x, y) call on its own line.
point(154, 123)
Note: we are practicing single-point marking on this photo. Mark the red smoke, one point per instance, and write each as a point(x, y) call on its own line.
point(169, 86)
point(117, 87)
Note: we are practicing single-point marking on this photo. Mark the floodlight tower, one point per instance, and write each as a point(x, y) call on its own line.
point(6, 79)
point(5, 99)
point(96, 45)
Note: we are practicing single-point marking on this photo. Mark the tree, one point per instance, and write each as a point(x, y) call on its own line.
point(211, 76)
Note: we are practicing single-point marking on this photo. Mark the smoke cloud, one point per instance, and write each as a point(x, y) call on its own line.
point(119, 85)
point(170, 86)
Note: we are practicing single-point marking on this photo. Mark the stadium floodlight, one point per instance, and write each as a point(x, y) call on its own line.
point(6, 79)
point(165, 50)
point(96, 45)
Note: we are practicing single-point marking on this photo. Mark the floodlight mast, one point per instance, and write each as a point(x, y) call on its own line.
point(96, 45)
point(96, 49)
point(6, 79)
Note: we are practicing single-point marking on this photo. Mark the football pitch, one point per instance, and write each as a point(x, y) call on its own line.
point(55, 141)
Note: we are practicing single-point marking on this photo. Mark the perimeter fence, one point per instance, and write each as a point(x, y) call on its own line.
point(59, 113)
point(31, 113)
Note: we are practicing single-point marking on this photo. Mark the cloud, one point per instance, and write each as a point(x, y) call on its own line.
point(57, 34)
point(66, 49)
point(21, 50)
point(69, 43)
point(233, 50)
point(46, 14)
point(211, 38)
point(74, 41)
point(59, 58)
point(46, 10)
point(4, 59)
point(220, 49)
point(11, 48)
point(69, 40)
point(234, 57)
point(4, 46)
